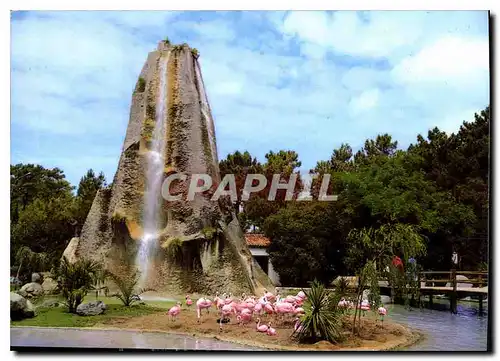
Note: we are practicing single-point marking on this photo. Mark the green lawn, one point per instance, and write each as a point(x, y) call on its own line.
point(59, 316)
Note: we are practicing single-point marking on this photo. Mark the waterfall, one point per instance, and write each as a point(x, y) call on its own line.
point(205, 110)
point(154, 175)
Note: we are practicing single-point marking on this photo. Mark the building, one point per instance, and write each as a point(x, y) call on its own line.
point(258, 244)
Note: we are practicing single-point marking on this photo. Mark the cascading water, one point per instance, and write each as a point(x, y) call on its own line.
point(205, 109)
point(154, 176)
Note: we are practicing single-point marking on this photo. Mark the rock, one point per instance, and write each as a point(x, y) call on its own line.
point(50, 304)
point(70, 251)
point(20, 307)
point(92, 308)
point(36, 278)
point(114, 226)
point(351, 280)
point(49, 285)
point(15, 281)
point(385, 299)
point(31, 290)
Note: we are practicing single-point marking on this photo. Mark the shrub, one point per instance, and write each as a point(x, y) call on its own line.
point(75, 280)
point(141, 85)
point(126, 285)
point(321, 320)
point(173, 248)
point(195, 53)
point(167, 41)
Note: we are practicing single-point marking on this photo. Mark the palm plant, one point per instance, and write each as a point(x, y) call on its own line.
point(321, 320)
point(126, 285)
point(75, 280)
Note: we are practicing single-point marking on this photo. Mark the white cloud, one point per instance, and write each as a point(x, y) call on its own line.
point(452, 59)
point(365, 101)
point(298, 80)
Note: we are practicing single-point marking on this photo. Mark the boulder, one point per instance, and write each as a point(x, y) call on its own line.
point(49, 285)
point(385, 299)
point(36, 278)
point(352, 281)
point(92, 308)
point(50, 304)
point(20, 307)
point(31, 290)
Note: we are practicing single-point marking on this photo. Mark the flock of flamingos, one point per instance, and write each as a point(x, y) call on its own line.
point(281, 309)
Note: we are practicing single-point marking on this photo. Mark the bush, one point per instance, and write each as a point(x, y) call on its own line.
point(141, 85)
point(321, 320)
point(126, 285)
point(195, 53)
point(76, 280)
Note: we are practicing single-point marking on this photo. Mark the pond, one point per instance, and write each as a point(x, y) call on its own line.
point(444, 331)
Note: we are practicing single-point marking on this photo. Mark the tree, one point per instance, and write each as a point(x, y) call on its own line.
point(45, 225)
point(239, 164)
point(305, 243)
point(87, 189)
point(29, 182)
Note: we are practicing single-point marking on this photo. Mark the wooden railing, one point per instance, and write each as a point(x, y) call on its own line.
point(480, 278)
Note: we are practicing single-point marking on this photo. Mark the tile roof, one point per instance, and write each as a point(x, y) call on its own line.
point(257, 240)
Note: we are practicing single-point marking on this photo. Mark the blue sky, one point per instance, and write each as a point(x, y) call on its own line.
point(306, 81)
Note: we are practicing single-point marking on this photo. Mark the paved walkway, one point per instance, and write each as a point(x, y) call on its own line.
point(115, 339)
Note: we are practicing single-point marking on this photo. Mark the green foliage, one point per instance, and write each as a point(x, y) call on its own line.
point(195, 53)
point(58, 317)
point(88, 187)
point(75, 280)
point(148, 128)
point(210, 232)
point(151, 111)
point(173, 248)
point(167, 41)
point(31, 261)
point(321, 320)
point(341, 287)
point(127, 285)
point(141, 85)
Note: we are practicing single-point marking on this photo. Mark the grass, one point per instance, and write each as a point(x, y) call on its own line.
point(59, 316)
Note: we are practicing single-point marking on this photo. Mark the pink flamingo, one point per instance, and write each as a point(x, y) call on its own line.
point(189, 301)
point(229, 299)
point(283, 308)
point(261, 328)
point(290, 299)
point(244, 316)
point(270, 331)
point(174, 311)
point(365, 306)
point(258, 308)
point(269, 296)
point(203, 303)
point(226, 311)
point(299, 311)
point(382, 312)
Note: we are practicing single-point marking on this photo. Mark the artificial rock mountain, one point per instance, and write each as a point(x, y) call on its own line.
point(198, 246)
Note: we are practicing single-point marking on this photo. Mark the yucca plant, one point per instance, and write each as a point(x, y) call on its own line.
point(75, 280)
point(127, 284)
point(321, 321)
